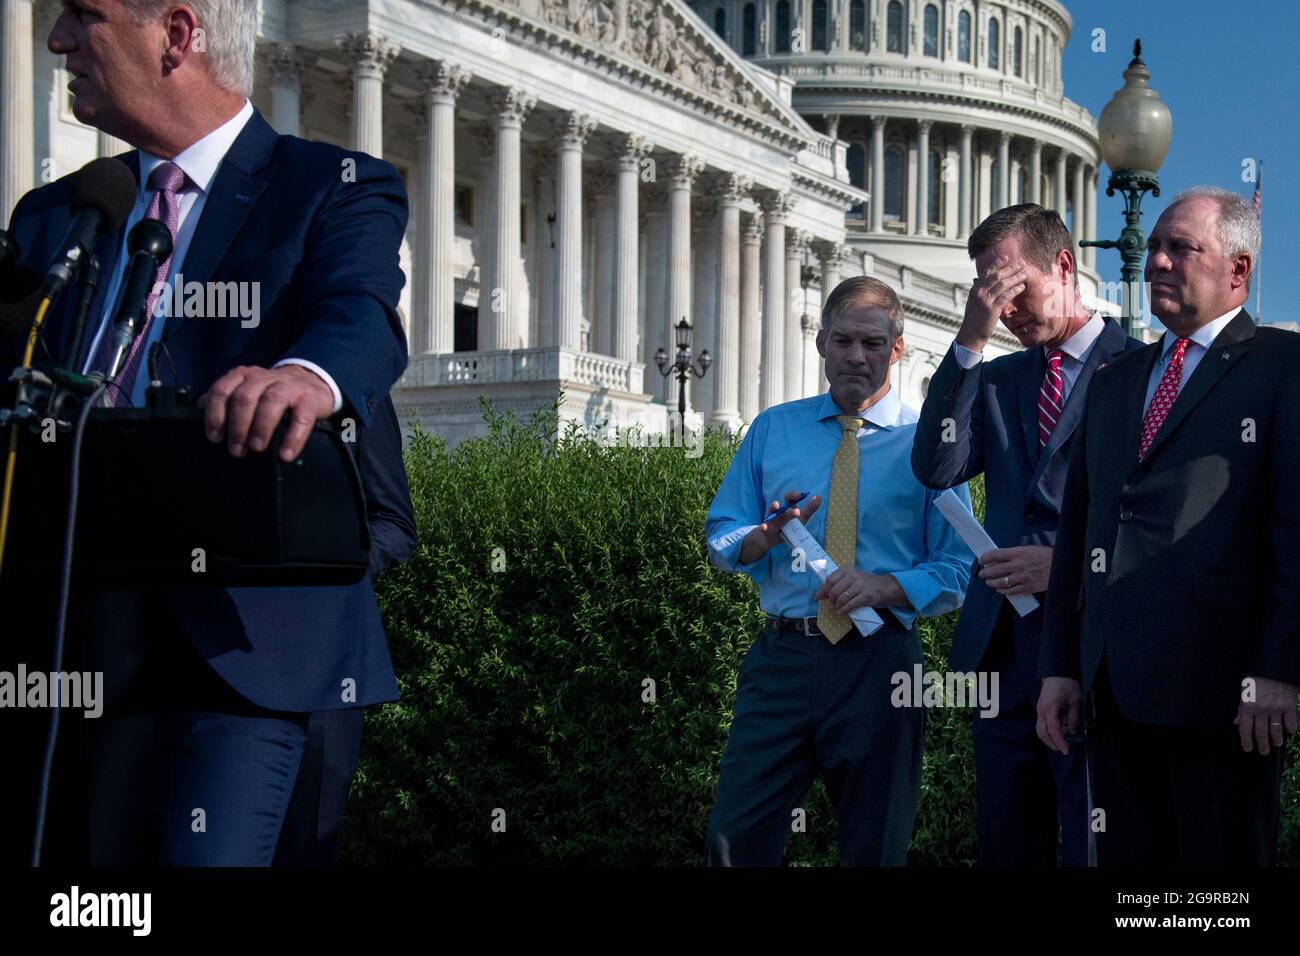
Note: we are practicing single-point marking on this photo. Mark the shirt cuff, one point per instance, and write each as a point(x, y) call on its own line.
point(324, 375)
point(921, 590)
point(724, 550)
point(966, 358)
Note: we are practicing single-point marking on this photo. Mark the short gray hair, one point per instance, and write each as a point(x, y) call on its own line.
point(1238, 226)
point(229, 34)
point(859, 291)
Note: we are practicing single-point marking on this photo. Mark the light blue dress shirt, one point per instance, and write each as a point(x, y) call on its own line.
point(1200, 343)
point(790, 447)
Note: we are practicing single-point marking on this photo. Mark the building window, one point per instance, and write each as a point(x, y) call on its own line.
point(858, 25)
point(931, 47)
point(895, 182)
point(820, 35)
point(894, 27)
point(856, 158)
point(1017, 48)
point(465, 329)
point(720, 22)
point(993, 45)
point(749, 31)
point(934, 216)
point(1037, 64)
point(782, 31)
point(464, 205)
point(963, 36)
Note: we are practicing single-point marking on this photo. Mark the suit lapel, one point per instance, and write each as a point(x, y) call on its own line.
point(1109, 341)
point(1029, 383)
point(1228, 346)
point(235, 190)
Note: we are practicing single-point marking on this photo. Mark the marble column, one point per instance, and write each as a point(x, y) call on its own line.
point(877, 174)
point(921, 224)
point(776, 207)
point(571, 133)
point(505, 331)
point(796, 245)
point(17, 106)
point(726, 365)
point(1058, 202)
point(966, 192)
point(1090, 216)
point(1036, 172)
point(1004, 169)
point(1076, 225)
point(751, 323)
point(682, 173)
point(629, 150)
point(371, 56)
point(433, 324)
point(286, 63)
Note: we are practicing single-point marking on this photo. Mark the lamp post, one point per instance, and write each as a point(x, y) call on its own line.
point(683, 368)
point(1135, 128)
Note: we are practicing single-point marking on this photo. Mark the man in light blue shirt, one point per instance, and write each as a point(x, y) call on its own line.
point(809, 700)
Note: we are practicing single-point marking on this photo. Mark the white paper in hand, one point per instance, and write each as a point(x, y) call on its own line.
point(794, 532)
point(977, 539)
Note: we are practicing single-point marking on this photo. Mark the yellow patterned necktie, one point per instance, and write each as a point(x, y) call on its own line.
point(841, 522)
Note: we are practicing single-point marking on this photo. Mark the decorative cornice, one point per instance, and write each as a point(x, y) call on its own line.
point(442, 81)
point(573, 129)
point(512, 105)
point(370, 54)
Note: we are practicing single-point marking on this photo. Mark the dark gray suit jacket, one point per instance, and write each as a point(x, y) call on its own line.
point(1184, 569)
point(994, 413)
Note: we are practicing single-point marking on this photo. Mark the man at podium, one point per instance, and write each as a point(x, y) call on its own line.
point(210, 692)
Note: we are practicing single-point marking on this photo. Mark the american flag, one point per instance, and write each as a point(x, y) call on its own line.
point(1259, 180)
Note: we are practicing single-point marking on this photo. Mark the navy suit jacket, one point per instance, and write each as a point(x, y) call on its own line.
point(319, 228)
point(994, 408)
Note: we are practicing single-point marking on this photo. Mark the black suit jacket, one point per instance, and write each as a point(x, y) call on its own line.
point(994, 413)
point(1184, 569)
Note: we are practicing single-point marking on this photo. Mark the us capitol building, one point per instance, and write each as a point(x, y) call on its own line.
point(584, 174)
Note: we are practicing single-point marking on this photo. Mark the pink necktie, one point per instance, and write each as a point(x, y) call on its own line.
point(1049, 399)
point(166, 180)
point(1163, 399)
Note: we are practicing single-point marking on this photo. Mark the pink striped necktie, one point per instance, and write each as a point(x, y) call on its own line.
point(1050, 398)
point(166, 181)
point(1164, 398)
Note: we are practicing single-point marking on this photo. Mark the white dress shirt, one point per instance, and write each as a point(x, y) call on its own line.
point(1200, 343)
point(1074, 353)
point(200, 163)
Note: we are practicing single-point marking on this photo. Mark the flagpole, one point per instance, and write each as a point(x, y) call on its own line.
point(1259, 273)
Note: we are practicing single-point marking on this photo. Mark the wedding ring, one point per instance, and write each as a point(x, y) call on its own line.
point(1006, 580)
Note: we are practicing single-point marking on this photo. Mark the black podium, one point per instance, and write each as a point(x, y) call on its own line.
point(161, 506)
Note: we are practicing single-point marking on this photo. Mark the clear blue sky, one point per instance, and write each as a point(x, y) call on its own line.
point(1229, 73)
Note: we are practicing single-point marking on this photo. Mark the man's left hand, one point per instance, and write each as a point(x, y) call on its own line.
point(246, 405)
point(1264, 722)
point(1021, 570)
point(849, 589)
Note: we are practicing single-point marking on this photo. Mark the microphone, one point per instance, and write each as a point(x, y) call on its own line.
point(148, 245)
point(20, 294)
point(103, 195)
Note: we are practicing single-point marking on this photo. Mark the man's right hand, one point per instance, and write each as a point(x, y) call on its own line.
point(768, 534)
point(989, 296)
point(1059, 707)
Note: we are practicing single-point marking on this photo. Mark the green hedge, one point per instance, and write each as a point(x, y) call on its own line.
point(554, 578)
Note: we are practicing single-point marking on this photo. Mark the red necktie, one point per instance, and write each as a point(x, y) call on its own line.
point(1163, 399)
point(1049, 398)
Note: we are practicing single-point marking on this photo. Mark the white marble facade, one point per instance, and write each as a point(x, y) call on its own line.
point(585, 173)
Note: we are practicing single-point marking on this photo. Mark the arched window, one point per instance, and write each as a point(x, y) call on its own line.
point(858, 25)
point(782, 30)
point(749, 31)
point(856, 158)
point(1017, 52)
point(1037, 65)
point(720, 22)
point(963, 36)
point(994, 60)
point(934, 215)
point(821, 39)
point(894, 27)
point(894, 182)
point(931, 46)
